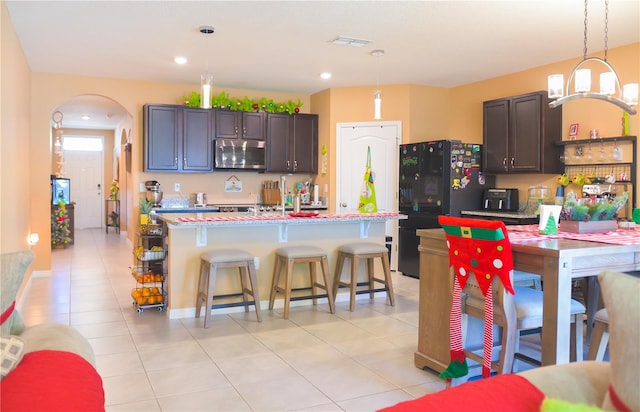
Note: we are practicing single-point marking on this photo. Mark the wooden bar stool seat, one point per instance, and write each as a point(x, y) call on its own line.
point(286, 258)
point(368, 252)
point(210, 262)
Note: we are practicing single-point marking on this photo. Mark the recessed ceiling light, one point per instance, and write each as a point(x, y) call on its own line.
point(85, 117)
point(180, 60)
point(325, 75)
point(350, 41)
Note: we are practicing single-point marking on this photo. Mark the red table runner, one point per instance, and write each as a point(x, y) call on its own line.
point(528, 233)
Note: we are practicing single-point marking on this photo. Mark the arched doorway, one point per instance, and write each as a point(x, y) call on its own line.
point(98, 117)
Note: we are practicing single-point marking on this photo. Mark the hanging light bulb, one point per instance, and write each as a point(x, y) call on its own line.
point(206, 80)
point(377, 95)
point(609, 81)
point(377, 105)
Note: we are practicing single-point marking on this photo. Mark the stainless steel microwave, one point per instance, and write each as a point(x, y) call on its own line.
point(240, 154)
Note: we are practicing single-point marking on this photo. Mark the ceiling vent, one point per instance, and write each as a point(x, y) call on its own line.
point(350, 41)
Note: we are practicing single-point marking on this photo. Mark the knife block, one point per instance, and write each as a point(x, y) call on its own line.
point(271, 196)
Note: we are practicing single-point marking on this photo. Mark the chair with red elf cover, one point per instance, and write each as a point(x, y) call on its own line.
point(482, 264)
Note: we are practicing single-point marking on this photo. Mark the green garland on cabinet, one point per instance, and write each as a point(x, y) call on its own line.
point(223, 101)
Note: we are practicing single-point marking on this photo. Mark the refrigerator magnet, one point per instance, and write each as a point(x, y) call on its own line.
point(481, 179)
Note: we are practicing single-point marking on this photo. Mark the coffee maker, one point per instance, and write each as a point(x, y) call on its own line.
point(154, 194)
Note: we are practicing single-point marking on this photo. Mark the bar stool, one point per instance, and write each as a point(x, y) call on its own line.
point(600, 337)
point(367, 251)
point(226, 258)
point(286, 258)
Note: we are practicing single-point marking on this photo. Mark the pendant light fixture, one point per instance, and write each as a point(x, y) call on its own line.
point(377, 95)
point(206, 80)
point(627, 95)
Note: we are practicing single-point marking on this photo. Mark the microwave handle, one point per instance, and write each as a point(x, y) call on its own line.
point(486, 203)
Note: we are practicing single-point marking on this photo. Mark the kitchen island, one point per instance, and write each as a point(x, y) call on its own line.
point(191, 234)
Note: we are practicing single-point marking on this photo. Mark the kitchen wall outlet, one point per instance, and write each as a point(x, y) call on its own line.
point(142, 188)
point(176, 187)
point(256, 262)
point(326, 187)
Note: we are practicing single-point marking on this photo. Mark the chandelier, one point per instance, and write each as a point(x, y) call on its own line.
point(610, 90)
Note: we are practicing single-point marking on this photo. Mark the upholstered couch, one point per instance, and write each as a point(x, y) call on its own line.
point(48, 367)
point(580, 386)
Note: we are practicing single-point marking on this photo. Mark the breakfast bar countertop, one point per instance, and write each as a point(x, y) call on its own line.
point(240, 219)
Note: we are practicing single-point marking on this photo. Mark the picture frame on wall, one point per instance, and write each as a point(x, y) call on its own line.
point(573, 131)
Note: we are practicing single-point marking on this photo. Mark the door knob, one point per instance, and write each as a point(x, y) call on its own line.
point(343, 204)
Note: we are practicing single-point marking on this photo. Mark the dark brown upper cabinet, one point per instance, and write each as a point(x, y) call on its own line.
point(520, 133)
point(239, 125)
point(177, 139)
point(292, 143)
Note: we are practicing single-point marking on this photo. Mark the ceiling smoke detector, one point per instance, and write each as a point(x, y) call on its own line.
point(207, 29)
point(350, 41)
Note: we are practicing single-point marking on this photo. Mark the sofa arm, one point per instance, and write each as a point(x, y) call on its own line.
point(579, 382)
point(58, 337)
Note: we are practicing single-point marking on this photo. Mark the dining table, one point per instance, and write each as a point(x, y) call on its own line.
point(558, 258)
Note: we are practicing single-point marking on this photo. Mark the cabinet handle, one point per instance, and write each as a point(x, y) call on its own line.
point(175, 162)
point(513, 162)
point(288, 164)
point(295, 165)
point(504, 163)
point(244, 132)
point(236, 130)
point(184, 162)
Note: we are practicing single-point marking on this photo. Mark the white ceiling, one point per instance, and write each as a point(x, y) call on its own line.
point(284, 45)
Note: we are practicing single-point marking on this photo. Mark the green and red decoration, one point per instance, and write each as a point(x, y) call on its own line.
point(224, 101)
point(480, 247)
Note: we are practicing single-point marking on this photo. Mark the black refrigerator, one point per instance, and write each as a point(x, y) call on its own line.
point(439, 177)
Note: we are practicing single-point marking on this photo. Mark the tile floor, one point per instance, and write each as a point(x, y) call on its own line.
point(315, 361)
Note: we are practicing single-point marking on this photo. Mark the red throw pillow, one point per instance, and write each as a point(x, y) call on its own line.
point(49, 380)
point(501, 393)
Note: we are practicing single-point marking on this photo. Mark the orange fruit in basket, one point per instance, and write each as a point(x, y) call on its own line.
point(140, 300)
point(151, 300)
point(159, 298)
point(146, 292)
point(158, 278)
point(155, 291)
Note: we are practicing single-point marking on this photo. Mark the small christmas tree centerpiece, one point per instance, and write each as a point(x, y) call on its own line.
point(60, 232)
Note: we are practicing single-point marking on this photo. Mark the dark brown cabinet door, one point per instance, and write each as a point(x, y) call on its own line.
point(253, 125)
point(305, 143)
point(526, 134)
point(496, 135)
point(239, 125)
point(227, 124)
point(519, 133)
point(278, 143)
point(161, 134)
point(197, 142)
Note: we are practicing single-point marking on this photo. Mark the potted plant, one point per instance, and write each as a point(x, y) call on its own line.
point(145, 209)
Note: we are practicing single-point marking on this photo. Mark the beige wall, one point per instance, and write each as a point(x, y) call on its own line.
point(15, 142)
point(28, 100)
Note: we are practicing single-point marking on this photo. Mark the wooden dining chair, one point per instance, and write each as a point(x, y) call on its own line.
point(482, 264)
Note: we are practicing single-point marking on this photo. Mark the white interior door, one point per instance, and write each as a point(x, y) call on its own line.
point(352, 141)
point(85, 169)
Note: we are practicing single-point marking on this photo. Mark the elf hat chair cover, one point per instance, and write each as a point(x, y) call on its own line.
point(480, 255)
